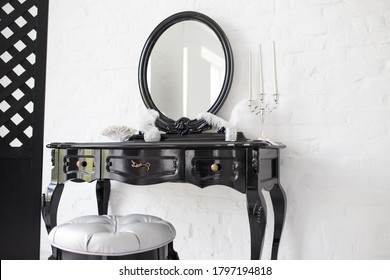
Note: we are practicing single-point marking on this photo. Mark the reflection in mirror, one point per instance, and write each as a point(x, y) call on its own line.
point(186, 70)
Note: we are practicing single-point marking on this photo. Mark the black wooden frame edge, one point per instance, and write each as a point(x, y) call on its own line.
point(39, 105)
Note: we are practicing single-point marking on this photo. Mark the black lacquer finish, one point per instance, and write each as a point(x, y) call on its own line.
point(184, 125)
point(229, 167)
point(249, 167)
point(142, 166)
point(103, 189)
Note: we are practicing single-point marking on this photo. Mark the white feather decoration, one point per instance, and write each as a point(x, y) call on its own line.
point(217, 122)
point(152, 135)
point(149, 130)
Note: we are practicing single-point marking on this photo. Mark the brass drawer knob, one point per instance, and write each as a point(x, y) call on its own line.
point(81, 163)
point(215, 167)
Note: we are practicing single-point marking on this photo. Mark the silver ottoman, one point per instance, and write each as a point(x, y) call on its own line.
point(134, 236)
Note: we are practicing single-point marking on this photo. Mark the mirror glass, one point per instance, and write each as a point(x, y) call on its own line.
point(186, 70)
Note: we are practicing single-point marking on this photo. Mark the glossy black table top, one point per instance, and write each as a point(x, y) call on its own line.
point(205, 140)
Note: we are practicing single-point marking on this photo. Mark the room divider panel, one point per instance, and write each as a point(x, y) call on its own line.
point(23, 37)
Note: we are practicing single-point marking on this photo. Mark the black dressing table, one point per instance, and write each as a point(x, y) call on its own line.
point(184, 154)
point(246, 166)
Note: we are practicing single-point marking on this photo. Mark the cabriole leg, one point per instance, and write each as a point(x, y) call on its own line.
point(257, 214)
point(50, 201)
point(278, 198)
point(103, 189)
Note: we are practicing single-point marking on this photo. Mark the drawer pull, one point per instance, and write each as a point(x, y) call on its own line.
point(82, 163)
point(215, 167)
point(138, 165)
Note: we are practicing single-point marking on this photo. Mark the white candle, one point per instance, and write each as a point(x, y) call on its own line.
point(250, 75)
point(275, 76)
point(261, 81)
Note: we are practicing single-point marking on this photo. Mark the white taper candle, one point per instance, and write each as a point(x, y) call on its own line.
point(261, 80)
point(275, 75)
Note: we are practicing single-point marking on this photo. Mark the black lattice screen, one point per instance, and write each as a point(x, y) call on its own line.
point(23, 31)
point(17, 82)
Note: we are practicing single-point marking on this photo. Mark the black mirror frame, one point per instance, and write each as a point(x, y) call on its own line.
point(184, 125)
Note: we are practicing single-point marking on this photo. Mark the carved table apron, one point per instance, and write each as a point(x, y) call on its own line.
point(246, 166)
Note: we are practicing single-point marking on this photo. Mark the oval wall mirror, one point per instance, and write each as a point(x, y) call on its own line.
point(186, 67)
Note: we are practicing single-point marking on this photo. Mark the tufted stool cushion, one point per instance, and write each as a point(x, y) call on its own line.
point(112, 235)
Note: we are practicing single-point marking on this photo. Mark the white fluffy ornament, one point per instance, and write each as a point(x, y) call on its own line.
point(152, 134)
point(246, 121)
point(149, 130)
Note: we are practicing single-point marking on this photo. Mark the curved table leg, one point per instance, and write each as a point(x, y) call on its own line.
point(103, 189)
point(50, 201)
point(278, 198)
point(257, 214)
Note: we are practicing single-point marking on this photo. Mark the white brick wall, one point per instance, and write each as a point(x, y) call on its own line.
point(334, 66)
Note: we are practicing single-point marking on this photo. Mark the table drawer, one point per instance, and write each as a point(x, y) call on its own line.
point(216, 167)
point(142, 166)
point(78, 165)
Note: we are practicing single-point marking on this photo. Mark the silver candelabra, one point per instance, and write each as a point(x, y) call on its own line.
point(261, 107)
